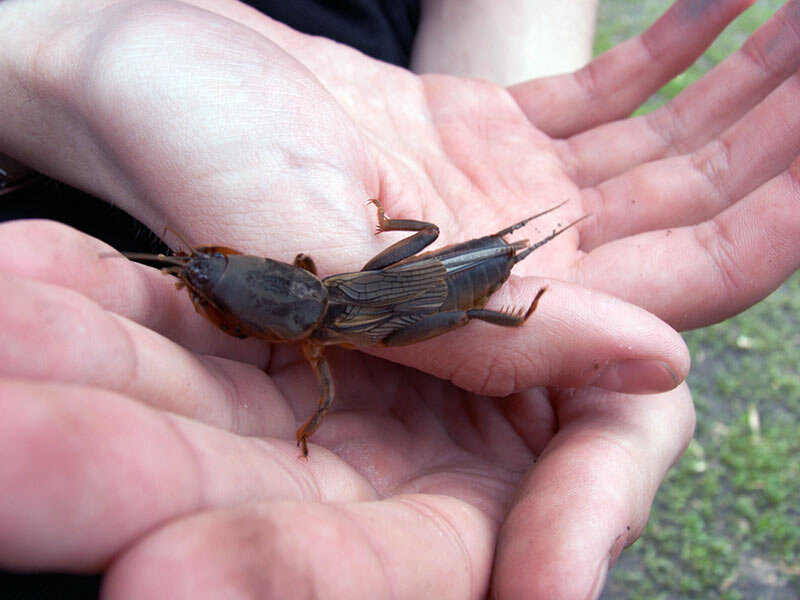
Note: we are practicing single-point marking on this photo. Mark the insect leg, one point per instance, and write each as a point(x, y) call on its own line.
point(426, 233)
point(313, 353)
point(426, 328)
point(439, 323)
point(305, 262)
point(505, 319)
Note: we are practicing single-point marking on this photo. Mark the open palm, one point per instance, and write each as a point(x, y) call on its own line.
point(202, 124)
point(172, 453)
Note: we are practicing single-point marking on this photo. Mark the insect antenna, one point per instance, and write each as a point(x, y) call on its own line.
point(178, 261)
point(181, 238)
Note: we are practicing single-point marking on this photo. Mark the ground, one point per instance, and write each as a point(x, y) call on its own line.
point(726, 521)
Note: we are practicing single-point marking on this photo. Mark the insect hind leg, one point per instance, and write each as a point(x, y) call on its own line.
point(439, 323)
point(426, 234)
point(505, 319)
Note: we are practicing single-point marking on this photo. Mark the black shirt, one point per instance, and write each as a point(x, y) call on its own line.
point(382, 29)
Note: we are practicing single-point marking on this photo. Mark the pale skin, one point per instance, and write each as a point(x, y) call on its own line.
point(504, 42)
point(146, 441)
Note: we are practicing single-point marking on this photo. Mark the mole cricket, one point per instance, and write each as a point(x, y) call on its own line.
point(398, 297)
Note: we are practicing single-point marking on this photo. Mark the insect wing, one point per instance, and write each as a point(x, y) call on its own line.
point(415, 285)
point(377, 303)
point(470, 258)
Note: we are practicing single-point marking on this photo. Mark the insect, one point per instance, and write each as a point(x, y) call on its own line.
point(399, 297)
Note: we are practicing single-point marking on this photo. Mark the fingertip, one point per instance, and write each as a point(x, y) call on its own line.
point(638, 376)
point(589, 495)
point(570, 572)
point(558, 538)
point(577, 337)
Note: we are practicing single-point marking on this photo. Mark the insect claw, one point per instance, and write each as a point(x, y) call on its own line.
point(535, 302)
point(379, 206)
point(303, 445)
point(382, 218)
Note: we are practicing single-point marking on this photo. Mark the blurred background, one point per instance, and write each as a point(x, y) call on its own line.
point(726, 521)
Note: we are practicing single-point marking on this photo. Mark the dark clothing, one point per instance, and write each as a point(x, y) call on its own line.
point(382, 29)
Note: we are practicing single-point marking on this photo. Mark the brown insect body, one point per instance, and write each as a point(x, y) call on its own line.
point(399, 297)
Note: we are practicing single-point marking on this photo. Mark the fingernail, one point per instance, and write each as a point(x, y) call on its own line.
point(638, 377)
point(599, 582)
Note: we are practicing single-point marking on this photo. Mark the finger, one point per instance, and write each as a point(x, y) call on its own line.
point(689, 189)
point(575, 337)
point(55, 253)
point(590, 493)
point(619, 81)
point(53, 334)
point(609, 360)
point(92, 471)
point(695, 276)
point(416, 546)
point(698, 114)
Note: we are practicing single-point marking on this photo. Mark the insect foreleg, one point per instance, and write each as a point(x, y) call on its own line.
point(313, 354)
point(305, 262)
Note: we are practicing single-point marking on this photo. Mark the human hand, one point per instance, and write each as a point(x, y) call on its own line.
point(450, 157)
point(144, 442)
point(252, 152)
point(697, 201)
point(216, 131)
point(698, 207)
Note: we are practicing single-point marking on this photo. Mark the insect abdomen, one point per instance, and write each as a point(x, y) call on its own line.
point(475, 270)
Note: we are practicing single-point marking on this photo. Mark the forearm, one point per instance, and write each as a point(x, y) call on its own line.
point(505, 42)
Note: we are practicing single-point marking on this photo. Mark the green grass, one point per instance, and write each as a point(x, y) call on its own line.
point(619, 20)
point(726, 521)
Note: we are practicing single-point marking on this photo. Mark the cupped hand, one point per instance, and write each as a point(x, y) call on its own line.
point(146, 443)
point(235, 130)
point(192, 120)
point(216, 121)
